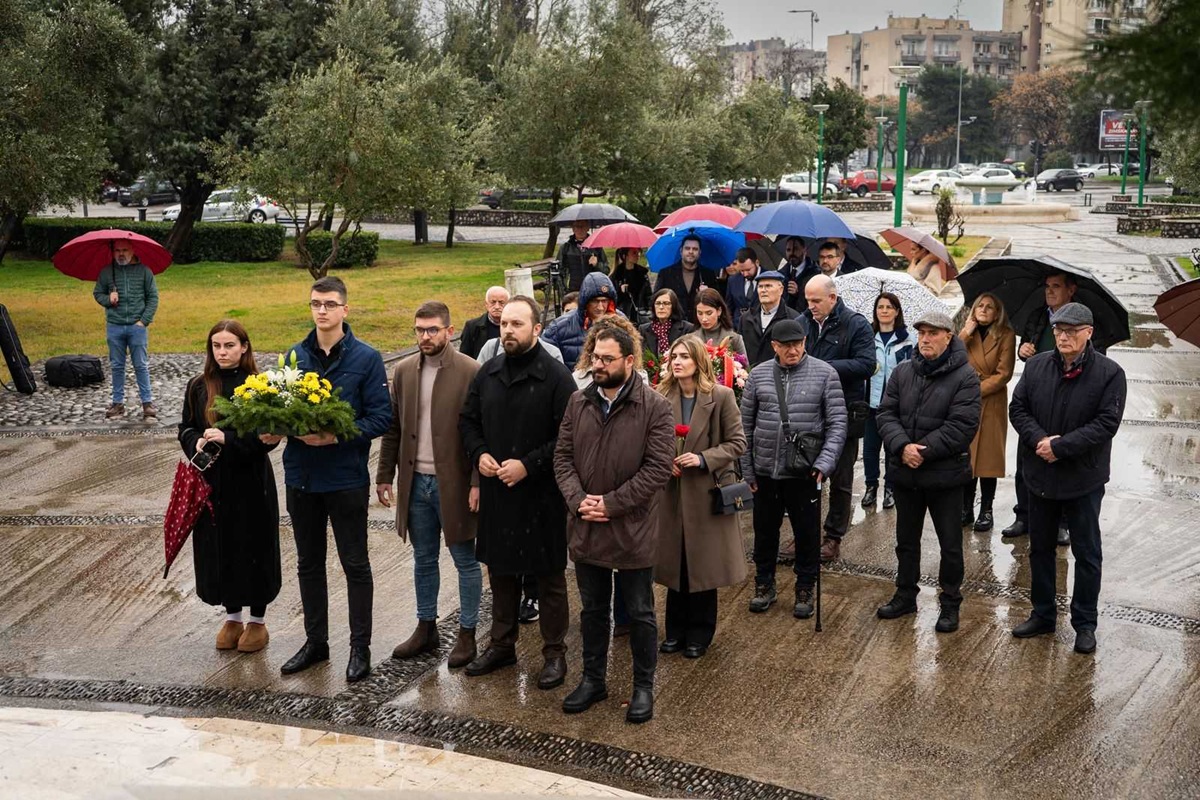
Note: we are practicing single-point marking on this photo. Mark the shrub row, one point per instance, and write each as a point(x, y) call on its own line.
point(357, 250)
point(213, 241)
point(674, 203)
point(1187, 199)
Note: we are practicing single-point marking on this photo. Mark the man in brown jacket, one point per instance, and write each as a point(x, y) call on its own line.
point(614, 455)
point(437, 491)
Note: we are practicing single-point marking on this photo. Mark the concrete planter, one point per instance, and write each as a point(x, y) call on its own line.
point(1139, 224)
point(1181, 228)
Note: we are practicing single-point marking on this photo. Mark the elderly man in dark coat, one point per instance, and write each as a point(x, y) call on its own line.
point(509, 426)
point(1067, 409)
point(614, 456)
point(927, 420)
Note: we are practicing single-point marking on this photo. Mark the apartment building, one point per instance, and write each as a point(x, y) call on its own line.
point(793, 68)
point(1060, 33)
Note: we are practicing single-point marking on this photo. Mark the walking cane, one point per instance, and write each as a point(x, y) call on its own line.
point(818, 626)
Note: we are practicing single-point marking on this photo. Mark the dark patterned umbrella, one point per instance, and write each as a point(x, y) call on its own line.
point(190, 495)
point(1179, 309)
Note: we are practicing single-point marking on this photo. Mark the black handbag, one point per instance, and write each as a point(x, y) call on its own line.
point(857, 412)
point(731, 498)
point(800, 450)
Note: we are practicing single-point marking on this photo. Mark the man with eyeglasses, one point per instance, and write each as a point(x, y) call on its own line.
point(1067, 409)
point(757, 322)
point(328, 481)
point(477, 332)
point(437, 492)
point(129, 295)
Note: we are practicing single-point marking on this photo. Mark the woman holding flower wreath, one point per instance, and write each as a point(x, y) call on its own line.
point(236, 544)
point(697, 550)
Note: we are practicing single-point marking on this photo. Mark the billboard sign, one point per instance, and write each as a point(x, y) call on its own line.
point(1112, 131)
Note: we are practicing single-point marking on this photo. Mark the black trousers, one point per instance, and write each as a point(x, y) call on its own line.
point(312, 513)
point(1021, 509)
point(1083, 515)
point(986, 497)
point(803, 503)
point(255, 611)
point(945, 509)
point(841, 492)
point(595, 592)
point(554, 616)
point(691, 616)
point(529, 587)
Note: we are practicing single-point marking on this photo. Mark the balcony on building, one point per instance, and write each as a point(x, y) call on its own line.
point(947, 57)
point(1099, 7)
point(912, 59)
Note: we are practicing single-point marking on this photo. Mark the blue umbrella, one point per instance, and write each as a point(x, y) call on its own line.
point(795, 218)
point(718, 245)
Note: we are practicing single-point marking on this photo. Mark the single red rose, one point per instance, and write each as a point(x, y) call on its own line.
point(682, 431)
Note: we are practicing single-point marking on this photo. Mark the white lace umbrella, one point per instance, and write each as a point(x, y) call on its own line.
point(860, 289)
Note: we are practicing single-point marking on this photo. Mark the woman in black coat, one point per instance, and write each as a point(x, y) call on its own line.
point(236, 545)
point(667, 325)
point(633, 285)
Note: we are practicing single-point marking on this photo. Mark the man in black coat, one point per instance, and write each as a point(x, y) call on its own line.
point(927, 419)
point(741, 292)
point(509, 425)
point(686, 276)
point(758, 321)
point(577, 261)
point(1066, 410)
point(796, 268)
point(844, 340)
point(479, 331)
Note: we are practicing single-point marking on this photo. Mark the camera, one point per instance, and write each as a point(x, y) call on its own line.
point(555, 268)
point(203, 459)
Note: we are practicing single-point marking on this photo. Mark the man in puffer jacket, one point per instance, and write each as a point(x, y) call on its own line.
point(813, 395)
point(927, 419)
point(597, 298)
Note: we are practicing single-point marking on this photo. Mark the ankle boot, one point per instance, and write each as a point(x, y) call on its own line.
point(984, 521)
point(463, 652)
point(423, 640)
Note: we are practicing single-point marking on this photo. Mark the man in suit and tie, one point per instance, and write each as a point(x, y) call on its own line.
point(742, 291)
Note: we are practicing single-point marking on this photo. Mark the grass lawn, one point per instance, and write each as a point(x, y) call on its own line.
point(55, 314)
point(1188, 267)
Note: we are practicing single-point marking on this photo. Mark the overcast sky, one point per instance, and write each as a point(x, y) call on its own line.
point(762, 19)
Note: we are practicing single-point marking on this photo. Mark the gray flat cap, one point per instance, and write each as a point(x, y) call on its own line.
point(787, 331)
point(935, 319)
point(1072, 314)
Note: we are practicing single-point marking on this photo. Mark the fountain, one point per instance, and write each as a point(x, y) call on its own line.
point(995, 199)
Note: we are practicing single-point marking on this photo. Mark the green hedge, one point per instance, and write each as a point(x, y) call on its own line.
point(674, 203)
point(1177, 198)
point(211, 241)
point(357, 250)
point(535, 205)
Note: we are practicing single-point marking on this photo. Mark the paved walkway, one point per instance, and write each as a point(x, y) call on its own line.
point(866, 708)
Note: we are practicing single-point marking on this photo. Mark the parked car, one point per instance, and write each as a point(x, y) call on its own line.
point(743, 194)
point(995, 165)
point(964, 168)
point(803, 184)
point(866, 180)
point(933, 180)
point(144, 192)
point(231, 205)
point(999, 177)
point(1095, 170)
point(1059, 179)
point(492, 197)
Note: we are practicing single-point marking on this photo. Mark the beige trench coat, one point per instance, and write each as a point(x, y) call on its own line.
point(993, 359)
point(715, 556)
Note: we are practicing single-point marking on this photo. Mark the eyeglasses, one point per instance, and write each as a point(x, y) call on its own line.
point(428, 332)
point(329, 305)
point(663, 303)
point(605, 360)
point(1070, 332)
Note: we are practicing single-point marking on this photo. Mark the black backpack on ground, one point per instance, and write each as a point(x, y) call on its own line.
point(14, 356)
point(71, 372)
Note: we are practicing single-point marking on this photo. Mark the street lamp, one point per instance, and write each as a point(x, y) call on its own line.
point(813, 19)
point(1129, 118)
point(904, 74)
point(821, 108)
point(958, 137)
point(1143, 107)
point(880, 120)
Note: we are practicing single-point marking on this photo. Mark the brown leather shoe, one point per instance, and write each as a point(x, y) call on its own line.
point(114, 411)
point(831, 549)
point(228, 636)
point(553, 673)
point(423, 640)
point(254, 638)
point(463, 652)
point(149, 412)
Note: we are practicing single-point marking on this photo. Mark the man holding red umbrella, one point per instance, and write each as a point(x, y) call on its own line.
point(127, 290)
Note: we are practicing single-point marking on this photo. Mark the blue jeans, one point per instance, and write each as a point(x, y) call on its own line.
point(425, 533)
point(133, 338)
point(872, 446)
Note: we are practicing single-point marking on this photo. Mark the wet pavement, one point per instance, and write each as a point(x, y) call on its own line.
point(866, 708)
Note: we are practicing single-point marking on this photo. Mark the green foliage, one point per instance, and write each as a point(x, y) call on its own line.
point(765, 135)
point(212, 241)
point(1180, 157)
point(848, 126)
point(932, 123)
point(286, 402)
point(1058, 159)
point(356, 250)
point(1185, 199)
point(949, 220)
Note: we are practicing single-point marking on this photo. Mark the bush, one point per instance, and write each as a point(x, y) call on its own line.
point(354, 250)
point(1059, 159)
point(1177, 198)
point(211, 241)
point(536, 205)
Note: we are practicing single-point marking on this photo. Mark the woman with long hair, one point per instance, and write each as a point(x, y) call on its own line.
point(715, 323)
point(992, 350)
point(697, 550)
point(667, 324)
point(633, 284)
point(236, 544)
point(892, 345)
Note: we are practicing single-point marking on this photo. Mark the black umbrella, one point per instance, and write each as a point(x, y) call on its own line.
point(1019, 282)
point(595, 213)
point(862, 249)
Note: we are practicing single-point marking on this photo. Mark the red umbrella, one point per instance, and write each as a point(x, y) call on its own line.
point(622, 234)
point(190, 495)
point(712, 212)
point(1179, 309)
point(85, 256)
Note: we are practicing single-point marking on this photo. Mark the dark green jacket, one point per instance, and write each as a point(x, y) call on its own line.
point(137, 294)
